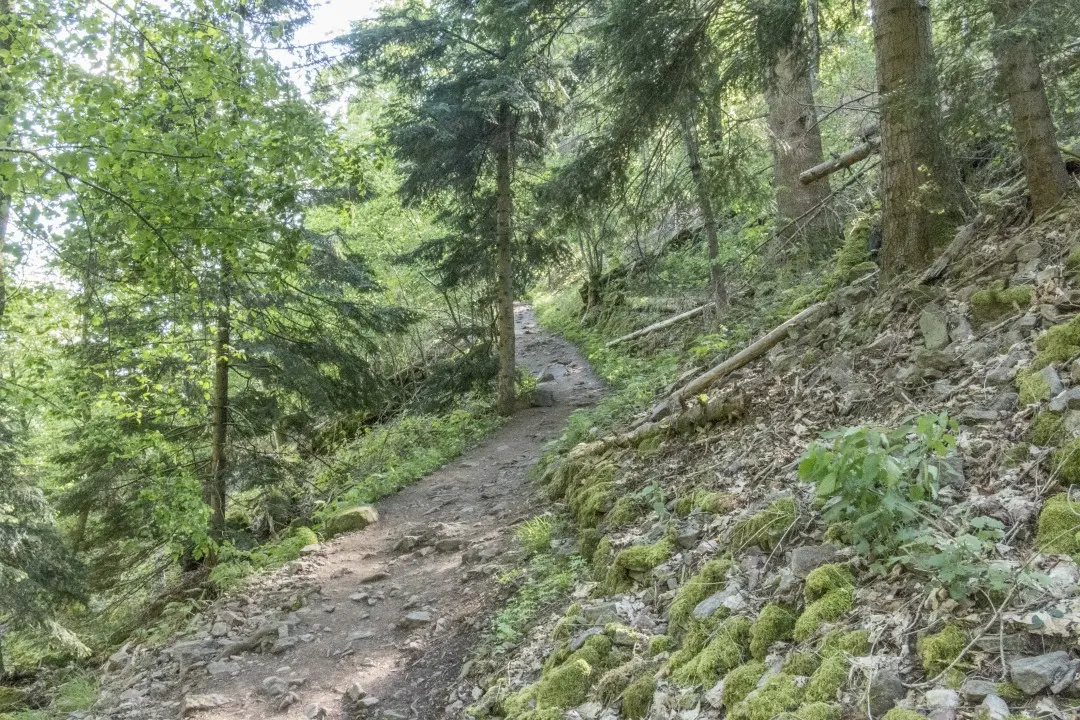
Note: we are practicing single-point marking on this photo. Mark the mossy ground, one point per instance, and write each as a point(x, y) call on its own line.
point(740, 682)
point(780, 694)
point(709, 580)
point(1065, 462)
point(825, 579)
point(638, 696)
point(827, 679)
point(726, 650)
point(636, 559)
point(827, 608)
point(996, 302)
point(1058, 344)
point(939, 650)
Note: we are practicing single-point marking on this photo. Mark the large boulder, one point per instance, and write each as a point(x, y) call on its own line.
point(356, 518)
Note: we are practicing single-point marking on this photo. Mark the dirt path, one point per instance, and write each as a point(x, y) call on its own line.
point(393, 608)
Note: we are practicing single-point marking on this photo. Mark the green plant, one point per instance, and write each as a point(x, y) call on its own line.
point(877, 480)
point(535, 534)
point(960, 563)
point(541, 583)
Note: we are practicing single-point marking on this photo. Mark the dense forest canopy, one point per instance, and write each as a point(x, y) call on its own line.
point(227, 315)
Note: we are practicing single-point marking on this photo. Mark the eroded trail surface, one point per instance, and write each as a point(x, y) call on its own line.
point(388, 613)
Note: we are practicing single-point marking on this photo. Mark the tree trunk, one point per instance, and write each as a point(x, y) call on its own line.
point(215, 488)
point(5, 209)
point(5, 122)
point(922, 198)
point(708, 216)
point(504, 209)
point(1033, 125)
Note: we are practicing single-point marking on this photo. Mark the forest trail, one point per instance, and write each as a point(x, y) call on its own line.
point(394, 608)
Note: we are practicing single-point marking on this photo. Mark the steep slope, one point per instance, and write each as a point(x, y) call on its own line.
point(920, 562)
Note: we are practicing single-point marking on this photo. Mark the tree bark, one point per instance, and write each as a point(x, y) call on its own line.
point(504, 208)
point(6, 125)
point(705, 207)
point(5, 209)
point(216, 486)
point(922, 198)
point(794, 134)
point(1033, 125)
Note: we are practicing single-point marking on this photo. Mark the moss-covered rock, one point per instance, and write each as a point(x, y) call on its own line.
point(827, 679)
point(612, 683)
point(765, 528)
point(801, 663)
point(1033, 386)
point(937, 651)
point(839, 642)
point(740, 682)
point(1057, 344)
point(659, 644)
point(1016, 455)
point(814, 711)
point(626, 510)
point(1010, 691)
point(709, 580)
point(996, 302)
point(902, 714)
point(351, 520)
point(589, 500)
point(1048, 429)
point(779, 694)
point(717, 503)
point(638, 696)
point(11, 699)
point(601, 557)
point(826, 578)
point(1066, 462)
point(1059, 526)
point(565, 686)
point(774, 624)
point(587, 542)
point(636, 559)
point(725, 651)
point(827, 608)
point(565, 680)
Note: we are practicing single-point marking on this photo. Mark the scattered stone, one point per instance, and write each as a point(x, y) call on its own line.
point(274, 686)
point(886, 689)
point(219, 629)
point(222, 667)
point(287, 701)
point(995, 708)
point(714, 697)
point(359, 635)
point(315, 712)
point(406, 544)
point(1001, 375)
point(198, 703)
point(978, 415)
point(942, 698)
point(355, 693)
point(730, 597)
point(975, 690)
point(589, 711)
point(1030, 251)
point(449, 545)
point(1034, 674)
point(688, 535)
point(1067, 400)
point(417, 619)
point(934, 326)
point(810, 557)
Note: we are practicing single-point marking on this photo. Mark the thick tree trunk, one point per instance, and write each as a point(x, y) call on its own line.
point(1033, 125)
point(705, 207)
point(215, 487)
point(504, 249)
point(794, 136)
point(5, 209)
point(5, 122)
point(922, 199)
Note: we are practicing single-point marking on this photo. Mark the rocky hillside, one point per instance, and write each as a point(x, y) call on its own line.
point(871, 520)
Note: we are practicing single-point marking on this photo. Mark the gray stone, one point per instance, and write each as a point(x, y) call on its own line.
point(1050, 375)
point(624, 637)
point(687, 535)
point(1067, 400)
point(1000, 375)
point(950, 470)
point(714, 697)
point(589, 711)
point(406, 544)
point(220, 629)
point(222, 667)
point(578, 640)
point(807, 558)
point(1063, 578)
point(943, 388)
point(359, 635)
point(315, 712)
point(368, 702)
point(978, 415)
point(283, 644)
point(449, 545)
point(355, 693)
point(542, 396)
point(942, 698)
point(1034, 674)
point(1006, 401)
point(198, 703)
point(1030, 251)
point(287, 701)
point(975, 690)
point(417, 619)
point(730, 598)
point(885, 690)
point(274, 686)
point(309, 549)
point(934, 326)
point(600, 613)
point(350, 520)
point(995, 707)
point(960, 330)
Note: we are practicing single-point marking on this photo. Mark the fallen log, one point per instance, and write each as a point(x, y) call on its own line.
point(660, 325)
point(852, 156)
point(750, 353)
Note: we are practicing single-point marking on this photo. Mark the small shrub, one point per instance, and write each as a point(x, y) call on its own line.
point(535, 534)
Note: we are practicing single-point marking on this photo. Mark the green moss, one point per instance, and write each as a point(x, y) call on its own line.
point(717, 503)
point(775, 623)
point(814, 711)
point(1032, 386)
point(1047, 429)
point(1059, 526)
point(697, 637)
point(767, 527)
point(636, 559)
point(684, 506)
point(589, 502)
point(996, 302)
point(825, 609)
point(709, 580)
point(1009, 691)
point(828, 679)
point(612, 683)
point(838, 642)
point(1066, 462)
point(740, 682)
point(638, 696)
point(937, 651)
point(1017, 455)
point(801, 663)
point(601, 557)
point(826, 578)
point(626, 510)
point(11, 699)
point(565, 627)
point(725, 650)
point(902, 714)
point(778, 695)
point(659, 644)
point(839, 533)
point(565, 686)
point(855, 250)
point(1057, 344)
point(588, 541)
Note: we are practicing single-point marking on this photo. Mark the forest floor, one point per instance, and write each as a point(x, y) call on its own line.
point(394, 608)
